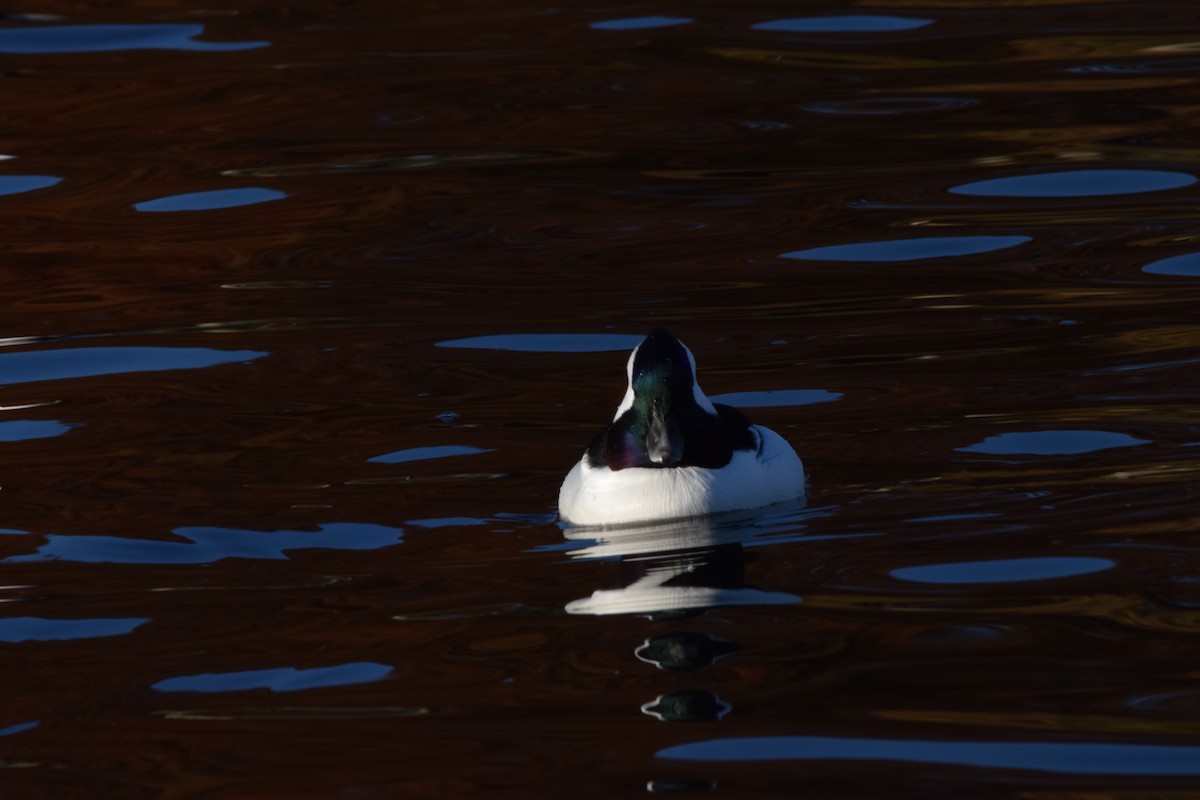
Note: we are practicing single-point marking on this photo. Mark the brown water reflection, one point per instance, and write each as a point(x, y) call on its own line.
point(277, 524)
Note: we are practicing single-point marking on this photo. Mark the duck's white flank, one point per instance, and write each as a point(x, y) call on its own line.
point(770, 474)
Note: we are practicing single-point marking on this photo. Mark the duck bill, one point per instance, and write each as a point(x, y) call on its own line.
point(664, 441)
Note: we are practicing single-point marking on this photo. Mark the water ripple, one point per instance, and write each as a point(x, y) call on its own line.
point(50, 365)
point(1009, 570)
point(1186, 265)
point(20, 727)
point(1052, 442)
point(108, 38)
point(15, 184)
point(209, 545)
point(774, 398)
point(21, 430)
point(1064, 758)
point(889, 106)
point(284, 679)
point(639, 23)
point(908, 249)
point(548, 342)
point(1155, 67)
point(856, 23)
point(40, 629)
point(217, 198)
point(426, 453)
point(1078, 183)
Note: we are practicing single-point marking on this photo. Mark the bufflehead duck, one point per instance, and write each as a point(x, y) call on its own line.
point(671, 452)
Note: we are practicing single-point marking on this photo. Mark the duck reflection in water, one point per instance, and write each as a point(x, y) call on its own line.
point(676, 570)
point(673, 570)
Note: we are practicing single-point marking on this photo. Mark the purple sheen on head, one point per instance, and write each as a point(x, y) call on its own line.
point(627, 451)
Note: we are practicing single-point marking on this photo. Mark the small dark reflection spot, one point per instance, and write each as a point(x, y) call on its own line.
point(681, 786)
point(690, 705)
point(683, 651)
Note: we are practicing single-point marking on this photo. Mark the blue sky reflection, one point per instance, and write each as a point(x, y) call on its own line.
point(1078, 183)
point(1068, 758)
point(208, 545)
point(39, 629)
point(639, 23)
point(21, 430)
point(107, 38)
point(31, 366)
point(773, 398)
point(549, 342)
point(283, 679)
point(427, 453)
point(1051, 443)
point(907, 249)
point(854, 23)
point(1186, 265)
point(1005, 570)
point(207, 201)
point(15, 184)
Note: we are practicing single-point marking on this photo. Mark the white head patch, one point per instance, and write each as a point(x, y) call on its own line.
point(701, 399)
point(627, 400)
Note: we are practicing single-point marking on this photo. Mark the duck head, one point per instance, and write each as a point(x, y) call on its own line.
point(663, 408)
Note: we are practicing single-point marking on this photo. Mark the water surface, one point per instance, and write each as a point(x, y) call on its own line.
point(308, 308)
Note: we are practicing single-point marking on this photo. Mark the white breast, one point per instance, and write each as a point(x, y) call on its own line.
point(600, 496)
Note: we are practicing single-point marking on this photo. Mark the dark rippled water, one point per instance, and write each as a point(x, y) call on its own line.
point(309, 307)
